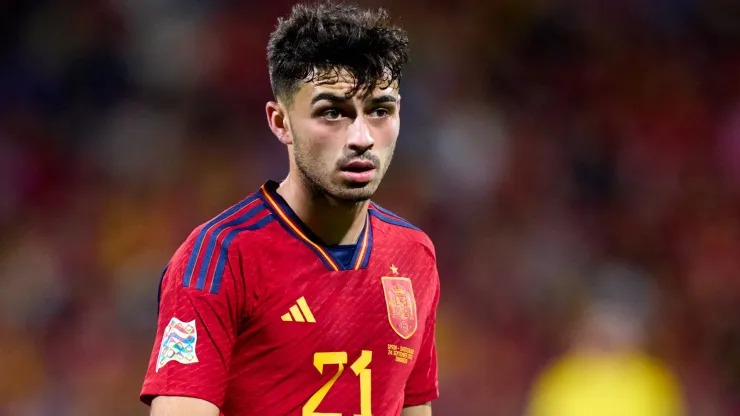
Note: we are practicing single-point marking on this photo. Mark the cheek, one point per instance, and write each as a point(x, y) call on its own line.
point(323, 144)
point(385, 136)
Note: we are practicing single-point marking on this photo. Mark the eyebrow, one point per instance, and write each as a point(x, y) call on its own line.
point(384, 99)
point(340, 99)
point(328, 97)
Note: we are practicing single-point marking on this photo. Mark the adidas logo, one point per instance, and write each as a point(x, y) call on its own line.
point(296, 315)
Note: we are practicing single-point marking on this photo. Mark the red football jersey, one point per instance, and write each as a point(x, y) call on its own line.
point(259, 318)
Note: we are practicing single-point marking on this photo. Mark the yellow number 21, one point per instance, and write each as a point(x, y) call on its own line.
point(360, 369)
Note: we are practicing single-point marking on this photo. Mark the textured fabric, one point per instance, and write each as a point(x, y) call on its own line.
point(343, 253)
point(285, 333)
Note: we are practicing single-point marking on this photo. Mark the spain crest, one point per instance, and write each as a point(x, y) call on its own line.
point(399, 299)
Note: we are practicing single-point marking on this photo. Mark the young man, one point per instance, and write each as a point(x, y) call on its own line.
point(306, 298)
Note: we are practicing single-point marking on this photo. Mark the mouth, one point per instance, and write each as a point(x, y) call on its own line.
point(359, 166)
point(359, 171)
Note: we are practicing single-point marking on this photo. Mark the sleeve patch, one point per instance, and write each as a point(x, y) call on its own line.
point(178, 343)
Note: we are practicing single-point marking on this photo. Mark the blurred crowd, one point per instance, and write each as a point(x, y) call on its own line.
point(547, 147)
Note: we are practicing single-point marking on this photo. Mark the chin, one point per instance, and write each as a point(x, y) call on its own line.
point(355, 192)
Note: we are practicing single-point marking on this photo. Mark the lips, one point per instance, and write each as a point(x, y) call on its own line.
point(359, 171)
point(358, 166)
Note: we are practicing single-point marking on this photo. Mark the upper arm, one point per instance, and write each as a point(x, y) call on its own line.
point(196, 328)
point(422, 385)
point(182, 406)
point(420, 410)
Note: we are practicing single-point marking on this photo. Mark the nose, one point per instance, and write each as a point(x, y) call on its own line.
point(359, 137)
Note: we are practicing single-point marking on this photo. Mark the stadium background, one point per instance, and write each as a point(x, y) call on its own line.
point(547, 147)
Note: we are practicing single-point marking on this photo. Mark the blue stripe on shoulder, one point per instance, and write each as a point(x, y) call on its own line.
point(159, 288)
point(391, 220)
point(392, 215)
point(201, 236)
point(386, 211)
point(224, 254)
point(213, 241)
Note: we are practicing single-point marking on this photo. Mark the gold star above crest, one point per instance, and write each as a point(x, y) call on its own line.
point(394, 269)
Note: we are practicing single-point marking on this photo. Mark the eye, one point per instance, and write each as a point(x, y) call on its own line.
point(380, 112)
point(332, 114)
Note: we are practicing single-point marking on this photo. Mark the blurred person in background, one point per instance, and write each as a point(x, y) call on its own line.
point(606, 370)
point(263, 306)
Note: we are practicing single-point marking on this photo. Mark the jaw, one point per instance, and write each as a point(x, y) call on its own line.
point(333, 184)
point(342, 190)
point(353, 192)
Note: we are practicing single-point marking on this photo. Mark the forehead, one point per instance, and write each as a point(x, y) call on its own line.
point(341, 84)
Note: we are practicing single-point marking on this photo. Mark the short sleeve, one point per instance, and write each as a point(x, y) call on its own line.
point(423, 385)
point(196, 332)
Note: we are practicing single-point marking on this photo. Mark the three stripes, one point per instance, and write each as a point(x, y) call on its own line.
point(295, 312)
point(214, 240)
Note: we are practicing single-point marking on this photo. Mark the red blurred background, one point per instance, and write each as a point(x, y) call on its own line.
point(544, 145)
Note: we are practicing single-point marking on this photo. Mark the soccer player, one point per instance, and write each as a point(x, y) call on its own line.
point(306, 298)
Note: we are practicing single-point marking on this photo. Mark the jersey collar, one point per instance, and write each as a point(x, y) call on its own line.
point(296, 228)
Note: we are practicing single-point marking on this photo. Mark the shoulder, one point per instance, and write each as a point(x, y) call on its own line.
point(207, 248)
point(396, 227)
point(248, 216)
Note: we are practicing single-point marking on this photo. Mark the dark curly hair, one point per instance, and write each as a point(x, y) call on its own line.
point(317, 41)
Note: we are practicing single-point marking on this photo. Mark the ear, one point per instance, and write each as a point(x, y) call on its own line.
point(398, 104)
point(277, 119)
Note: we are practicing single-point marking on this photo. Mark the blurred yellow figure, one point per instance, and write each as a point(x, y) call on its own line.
point(606, 372)
point(624, 385)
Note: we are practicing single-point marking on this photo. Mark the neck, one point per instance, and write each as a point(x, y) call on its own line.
point(333, 221)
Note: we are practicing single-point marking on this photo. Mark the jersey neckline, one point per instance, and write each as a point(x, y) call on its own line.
point(296, 228)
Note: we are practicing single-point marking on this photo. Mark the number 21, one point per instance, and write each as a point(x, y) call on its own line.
point(359, 367)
